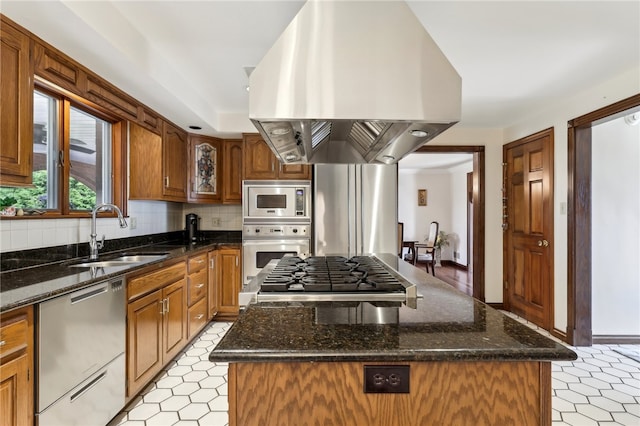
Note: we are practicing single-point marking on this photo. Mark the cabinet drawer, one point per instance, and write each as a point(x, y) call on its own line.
point(14, 336)
point(197, 286)
point(197, 317)
point(144, 284)
point(198, 262)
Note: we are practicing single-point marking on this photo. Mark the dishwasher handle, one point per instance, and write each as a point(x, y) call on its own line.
point(88, 295)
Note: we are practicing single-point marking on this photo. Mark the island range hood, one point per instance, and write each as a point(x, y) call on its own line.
point(353, 82)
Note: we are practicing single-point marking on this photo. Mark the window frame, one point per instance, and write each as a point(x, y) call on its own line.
point(118, 176)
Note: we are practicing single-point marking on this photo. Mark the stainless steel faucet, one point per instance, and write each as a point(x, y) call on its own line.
point(94, 245)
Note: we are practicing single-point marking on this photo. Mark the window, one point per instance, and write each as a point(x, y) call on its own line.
point(73, 157)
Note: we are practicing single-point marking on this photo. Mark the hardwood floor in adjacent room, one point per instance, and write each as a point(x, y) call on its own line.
point(454, 275)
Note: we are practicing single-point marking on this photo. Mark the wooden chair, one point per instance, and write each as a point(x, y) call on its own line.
point(400, 238)
point(429, 248)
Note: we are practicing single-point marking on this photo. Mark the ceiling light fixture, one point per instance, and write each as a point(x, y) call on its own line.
point(419, 133)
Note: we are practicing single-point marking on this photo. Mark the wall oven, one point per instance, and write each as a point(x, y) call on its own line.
point(276, 201)
point(262, 243)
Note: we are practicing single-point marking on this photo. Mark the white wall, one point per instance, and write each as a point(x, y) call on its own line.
point(446, 204)
point(458, 238)
point(615, 228)
point(416, 218)
point(152, 217)
point(230, 216)
point(556, 114)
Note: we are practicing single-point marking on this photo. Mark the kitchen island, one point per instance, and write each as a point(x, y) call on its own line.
point(450, 358)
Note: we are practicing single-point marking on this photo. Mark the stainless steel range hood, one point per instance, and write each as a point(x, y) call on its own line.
point(353, 82)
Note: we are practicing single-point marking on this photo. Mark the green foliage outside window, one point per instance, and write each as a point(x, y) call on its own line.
point(81, 197)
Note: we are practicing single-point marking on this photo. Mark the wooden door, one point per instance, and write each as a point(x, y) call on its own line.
point(232, 170)
point(174, 322)
point(174, 157)
point(528, 238)
point(16, 103)
point(259, 161)
point(212, 293)
point(229, 281)
point(144, 340)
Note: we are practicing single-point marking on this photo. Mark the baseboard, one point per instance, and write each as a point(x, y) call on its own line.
point(613, 339)
point(454, 264)
point(498, 306)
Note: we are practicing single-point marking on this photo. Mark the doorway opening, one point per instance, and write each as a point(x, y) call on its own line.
point(464, 224)
point(579, 224)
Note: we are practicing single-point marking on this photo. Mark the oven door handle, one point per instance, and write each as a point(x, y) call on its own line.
point(279, 241)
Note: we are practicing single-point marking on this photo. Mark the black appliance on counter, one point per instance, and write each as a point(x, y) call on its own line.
point(191, 221)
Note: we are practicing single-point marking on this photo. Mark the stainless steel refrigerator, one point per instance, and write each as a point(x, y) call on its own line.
point(355, 209)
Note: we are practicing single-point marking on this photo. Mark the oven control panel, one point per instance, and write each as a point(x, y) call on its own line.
point(270, 231)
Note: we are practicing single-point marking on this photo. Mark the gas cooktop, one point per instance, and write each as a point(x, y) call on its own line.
point(332, 278)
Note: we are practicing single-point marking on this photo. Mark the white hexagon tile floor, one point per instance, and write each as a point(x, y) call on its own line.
point(602, 387)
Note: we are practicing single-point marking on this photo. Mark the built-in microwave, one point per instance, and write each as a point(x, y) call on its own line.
point(282, 200)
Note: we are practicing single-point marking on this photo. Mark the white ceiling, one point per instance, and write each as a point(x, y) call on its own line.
point(187, 59)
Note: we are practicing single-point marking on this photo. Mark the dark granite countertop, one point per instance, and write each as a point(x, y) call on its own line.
point(33, 284)
point(447, 325)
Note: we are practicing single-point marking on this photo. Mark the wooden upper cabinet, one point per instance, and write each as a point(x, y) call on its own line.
point(16, 104)
point(145, 164)
point(258, 160)
point(205, 165)
point(232, 171)
point(57, 68)
point(261, 163)
point(174, 163)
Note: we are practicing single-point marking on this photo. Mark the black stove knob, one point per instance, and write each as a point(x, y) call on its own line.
point(295, 230)
point(257, 230)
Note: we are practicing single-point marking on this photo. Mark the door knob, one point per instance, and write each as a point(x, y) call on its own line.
point(544, 243)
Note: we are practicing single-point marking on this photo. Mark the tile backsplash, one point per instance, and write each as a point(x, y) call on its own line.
point(151, 217)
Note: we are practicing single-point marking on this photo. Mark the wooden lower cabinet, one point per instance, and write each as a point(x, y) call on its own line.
point(198, 283)
point(229, 282)
point(212, 291)
point(441, 393)
point(156, 323)
point(16, 367)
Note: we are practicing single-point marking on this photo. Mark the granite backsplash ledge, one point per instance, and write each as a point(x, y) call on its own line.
point(37, 257)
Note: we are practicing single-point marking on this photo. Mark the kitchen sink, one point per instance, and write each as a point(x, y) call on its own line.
point(121, 260)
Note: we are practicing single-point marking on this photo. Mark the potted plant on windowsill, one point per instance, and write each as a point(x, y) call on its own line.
point(7, 205)
point(441, 241)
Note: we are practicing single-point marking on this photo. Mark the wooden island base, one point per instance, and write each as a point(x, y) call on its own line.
point(441, 393)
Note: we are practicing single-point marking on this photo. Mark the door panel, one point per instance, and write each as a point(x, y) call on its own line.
point(528, 238)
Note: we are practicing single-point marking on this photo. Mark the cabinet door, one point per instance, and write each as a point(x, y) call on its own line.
point(230, 278)
point(205, 163)
point(16, 104)
point(294, 171)
point(175, 319)
point(174, 161)
point(16, 366)
point(232, 169)
point(144, 340)
point(145, 164)
point(14, 386)
point(259, 161)
point(212, 291)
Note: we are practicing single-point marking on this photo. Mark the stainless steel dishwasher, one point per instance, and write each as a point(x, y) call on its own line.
point(81, 360)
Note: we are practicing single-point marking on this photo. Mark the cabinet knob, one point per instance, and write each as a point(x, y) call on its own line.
point(200, 285)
